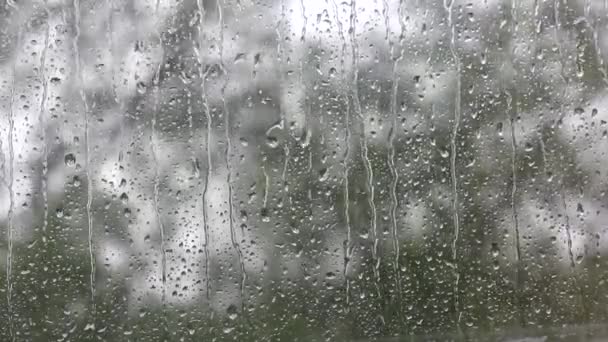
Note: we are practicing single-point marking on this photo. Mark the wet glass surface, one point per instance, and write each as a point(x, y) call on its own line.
point(316, 170)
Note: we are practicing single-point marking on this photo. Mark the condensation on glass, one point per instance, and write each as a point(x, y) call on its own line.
point(305, 170)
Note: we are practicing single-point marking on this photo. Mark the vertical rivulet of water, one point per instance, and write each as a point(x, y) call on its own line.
point(558, 25)
point(156, 185)
point(11, 190)
point(42, 121)
point(87, 155)
point(391, 151)
point(345, 163)
point(364, 146)
point(202, 74)
point(448, 4)
point(227, 151)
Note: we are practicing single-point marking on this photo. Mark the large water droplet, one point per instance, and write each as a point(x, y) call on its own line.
point(70, 160)
point(240, 57)
point(232, 312)
point(272, 142)
point(495, 249)
point(323, 175)
point(141, 87)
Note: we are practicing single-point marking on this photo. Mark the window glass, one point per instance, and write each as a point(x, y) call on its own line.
point(291, 170)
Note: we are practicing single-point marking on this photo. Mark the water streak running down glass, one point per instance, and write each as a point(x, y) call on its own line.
point(303, 170)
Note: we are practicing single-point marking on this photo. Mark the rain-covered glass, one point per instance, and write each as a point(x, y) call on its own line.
point(303, 170)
